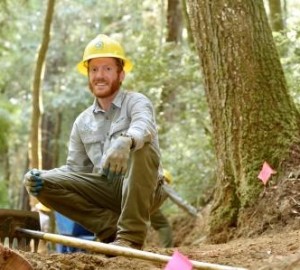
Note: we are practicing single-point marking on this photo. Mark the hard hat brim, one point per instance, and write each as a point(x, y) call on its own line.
point(82, 66)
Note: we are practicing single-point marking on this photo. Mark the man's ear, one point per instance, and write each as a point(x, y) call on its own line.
point(122, 75)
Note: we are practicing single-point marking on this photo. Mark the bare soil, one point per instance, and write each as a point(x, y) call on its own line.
point(273, 250)
point(270, 241)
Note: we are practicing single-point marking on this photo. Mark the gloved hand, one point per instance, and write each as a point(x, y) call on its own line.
point(115, 161)
point(33, 182)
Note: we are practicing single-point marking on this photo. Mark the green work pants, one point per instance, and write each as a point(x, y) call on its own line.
point(108, 207)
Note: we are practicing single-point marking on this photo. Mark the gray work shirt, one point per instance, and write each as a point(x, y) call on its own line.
point(94, 130)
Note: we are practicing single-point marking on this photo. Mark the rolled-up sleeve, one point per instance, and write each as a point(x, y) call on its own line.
point(143, 124)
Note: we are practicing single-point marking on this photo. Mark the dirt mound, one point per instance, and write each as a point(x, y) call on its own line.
point(278, 208)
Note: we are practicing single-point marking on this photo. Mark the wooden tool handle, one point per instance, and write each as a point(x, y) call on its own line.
point(117, 250)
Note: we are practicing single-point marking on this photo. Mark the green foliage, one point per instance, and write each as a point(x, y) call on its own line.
point(184, 123)
point(160, 70)
point(4, 202)
point(168, 74)
point(5, 125)
point(288, 44)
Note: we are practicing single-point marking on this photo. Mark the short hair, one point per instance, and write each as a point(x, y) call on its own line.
point(120, 63)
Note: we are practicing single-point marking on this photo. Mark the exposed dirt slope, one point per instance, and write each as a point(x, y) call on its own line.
point(270, 241)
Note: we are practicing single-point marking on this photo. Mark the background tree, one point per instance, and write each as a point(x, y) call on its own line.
point(35, 158)
point(35, 143)
point(141, 26)
point(276, 15)
point(253, 117)
point(187, 23)
point(16, 56)
point(174, 21)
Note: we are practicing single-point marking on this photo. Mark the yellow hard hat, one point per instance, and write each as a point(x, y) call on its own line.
point(168, 177)
point(103, 46)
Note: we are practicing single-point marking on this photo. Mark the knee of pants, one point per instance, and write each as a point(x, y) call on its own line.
point(147, 155)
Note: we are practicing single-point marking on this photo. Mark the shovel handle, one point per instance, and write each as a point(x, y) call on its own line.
point(117, 250)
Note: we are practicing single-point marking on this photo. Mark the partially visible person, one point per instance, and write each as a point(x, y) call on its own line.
point(46, 218)
point(112, 180)
point(160, 223)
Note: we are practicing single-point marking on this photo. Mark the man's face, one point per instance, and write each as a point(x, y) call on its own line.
point(104, 77)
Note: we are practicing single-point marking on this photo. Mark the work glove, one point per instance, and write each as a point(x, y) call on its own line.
point(33, 182)
point(115, 161)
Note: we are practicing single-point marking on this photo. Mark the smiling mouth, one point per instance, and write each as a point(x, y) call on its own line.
point(100, 84)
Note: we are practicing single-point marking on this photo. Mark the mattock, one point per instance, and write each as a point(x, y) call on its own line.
point(10, 220)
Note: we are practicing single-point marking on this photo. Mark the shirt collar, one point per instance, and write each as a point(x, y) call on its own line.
point(119, 99)
point(117, 102)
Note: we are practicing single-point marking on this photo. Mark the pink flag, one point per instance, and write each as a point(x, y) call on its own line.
point(266, 173)
point(178, 262)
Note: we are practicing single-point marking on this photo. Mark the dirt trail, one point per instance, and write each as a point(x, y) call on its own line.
point(280, 250)
point(269, 241)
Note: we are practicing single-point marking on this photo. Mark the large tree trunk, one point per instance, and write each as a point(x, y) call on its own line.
point(253, 117)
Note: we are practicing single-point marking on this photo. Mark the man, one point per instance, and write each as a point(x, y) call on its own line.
point(111, 181)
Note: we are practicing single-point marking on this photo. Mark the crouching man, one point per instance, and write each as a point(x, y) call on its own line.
point(111, 181)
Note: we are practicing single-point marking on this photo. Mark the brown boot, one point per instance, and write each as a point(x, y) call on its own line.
point(107, 240)
point(126, 243)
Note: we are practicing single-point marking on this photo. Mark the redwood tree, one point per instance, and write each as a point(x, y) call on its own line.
point(253, 117)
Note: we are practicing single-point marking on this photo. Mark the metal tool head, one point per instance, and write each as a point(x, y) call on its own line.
point(10, 220)
point(11, 260)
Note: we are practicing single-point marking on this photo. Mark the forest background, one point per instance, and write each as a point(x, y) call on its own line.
point(166, 69)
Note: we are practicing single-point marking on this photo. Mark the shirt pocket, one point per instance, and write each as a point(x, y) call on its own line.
point(92, 138)
point(93, 144)
point(121, 125)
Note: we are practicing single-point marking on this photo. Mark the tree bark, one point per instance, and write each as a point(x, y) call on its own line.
point(188, 24)
point(253, 117)
point(35, 151)
point(51, 134)
point(174, 21)
point(35, 144)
